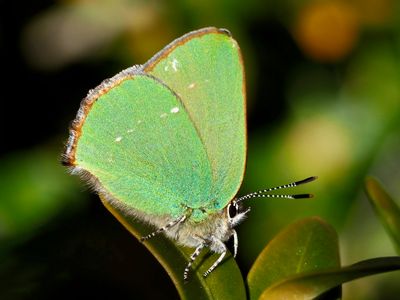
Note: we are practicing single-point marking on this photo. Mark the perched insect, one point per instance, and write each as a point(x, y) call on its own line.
point(166, 142)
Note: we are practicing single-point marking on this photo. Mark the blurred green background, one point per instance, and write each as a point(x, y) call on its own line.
point(323, 83)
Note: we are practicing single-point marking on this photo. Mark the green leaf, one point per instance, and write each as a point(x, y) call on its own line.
point(386, 209)
point(225, 282)
point(311, 285)
point(306, 245)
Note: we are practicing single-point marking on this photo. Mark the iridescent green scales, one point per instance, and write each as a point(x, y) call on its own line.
point(151, 159)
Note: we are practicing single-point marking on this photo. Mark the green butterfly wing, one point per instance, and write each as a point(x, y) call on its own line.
point(205, 69)
point(169, 135)
point(139, 142)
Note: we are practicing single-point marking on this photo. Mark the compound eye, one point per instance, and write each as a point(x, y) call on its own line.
point(233, 210)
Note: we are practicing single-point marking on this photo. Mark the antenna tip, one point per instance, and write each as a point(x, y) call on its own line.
point(312, 178)
point(302, 196)
point(309, 179)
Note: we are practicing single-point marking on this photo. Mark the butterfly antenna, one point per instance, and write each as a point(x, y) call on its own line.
point(261, 193)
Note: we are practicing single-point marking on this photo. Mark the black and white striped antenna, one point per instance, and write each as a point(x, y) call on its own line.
point(262, 193)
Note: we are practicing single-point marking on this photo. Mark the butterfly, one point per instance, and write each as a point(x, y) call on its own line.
point(166, 142)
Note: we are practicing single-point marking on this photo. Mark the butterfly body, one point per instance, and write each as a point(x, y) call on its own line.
point(190, 233)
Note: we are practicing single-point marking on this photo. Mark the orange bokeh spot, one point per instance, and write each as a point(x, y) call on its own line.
point(326, 31)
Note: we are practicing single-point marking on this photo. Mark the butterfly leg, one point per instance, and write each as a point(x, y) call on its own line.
point(219, 247)
point(162, 229)
point(235, 242)
point(192, 259)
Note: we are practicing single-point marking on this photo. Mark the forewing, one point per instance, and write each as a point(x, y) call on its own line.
point(139, 142)
point(205, 69)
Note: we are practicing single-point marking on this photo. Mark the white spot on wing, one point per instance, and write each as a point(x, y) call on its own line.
point(174, 64)
point(192, 85)
point(118, 139)
point(174, 110)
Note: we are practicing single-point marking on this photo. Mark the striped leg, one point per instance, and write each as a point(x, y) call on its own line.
point(222, 247)
point(235, 242)
point(192, 259)
point(162, 229)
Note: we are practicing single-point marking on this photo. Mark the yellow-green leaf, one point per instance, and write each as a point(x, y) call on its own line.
point(386, 209)
point(304, 246)
point(313, 284)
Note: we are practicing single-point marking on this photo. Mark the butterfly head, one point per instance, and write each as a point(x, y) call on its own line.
point(235, 213)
